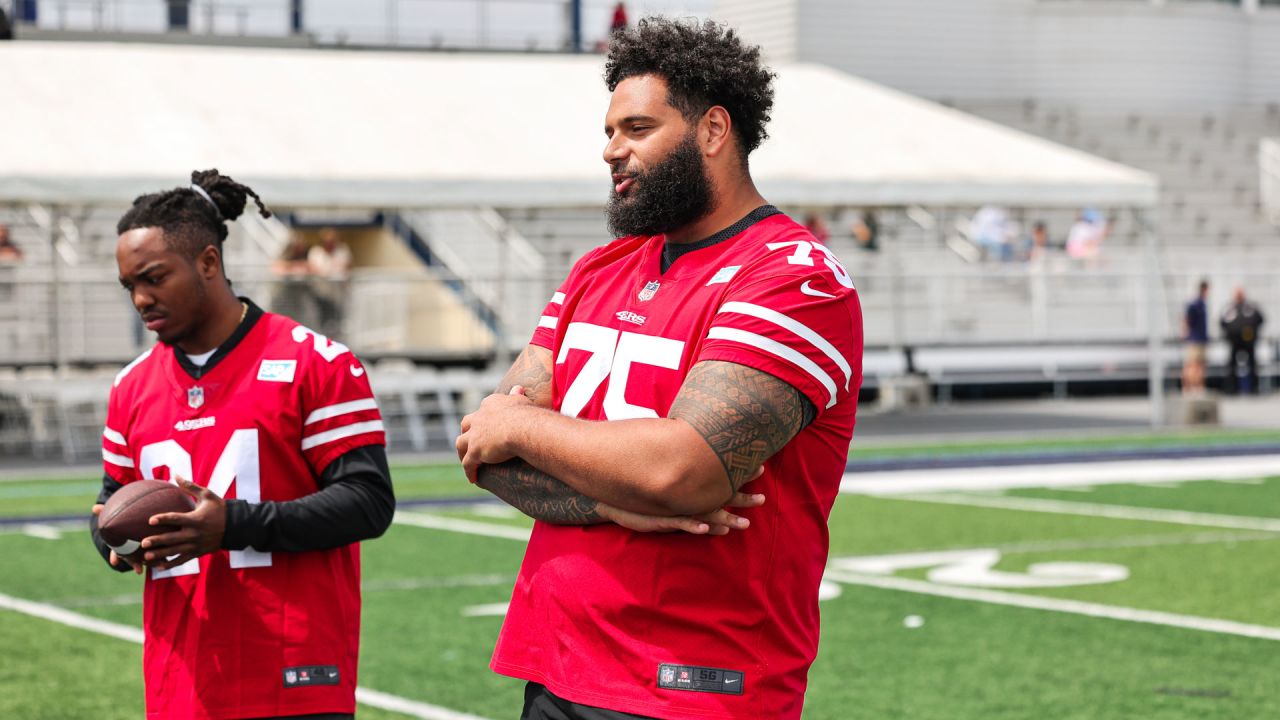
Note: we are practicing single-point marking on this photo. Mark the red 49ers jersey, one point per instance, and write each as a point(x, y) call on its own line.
point(677, 625)
point(243, 633)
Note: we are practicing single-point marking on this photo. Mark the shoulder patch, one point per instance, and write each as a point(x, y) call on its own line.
point(277, 370)
point(127, 368)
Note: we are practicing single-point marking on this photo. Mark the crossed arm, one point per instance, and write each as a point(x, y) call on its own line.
point(679, 472)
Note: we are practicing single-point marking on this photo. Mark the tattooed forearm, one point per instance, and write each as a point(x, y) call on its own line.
point(532, 370)
point(538, 495)
point(745, 415)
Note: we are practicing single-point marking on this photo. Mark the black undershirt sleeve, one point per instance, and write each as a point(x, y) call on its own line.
point(109, 488)
point(355, 502)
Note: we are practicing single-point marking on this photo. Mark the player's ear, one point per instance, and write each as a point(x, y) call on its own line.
point(209, 263)
point(715, 130)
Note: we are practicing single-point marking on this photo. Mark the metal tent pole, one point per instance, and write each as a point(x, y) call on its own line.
point(1155, 317)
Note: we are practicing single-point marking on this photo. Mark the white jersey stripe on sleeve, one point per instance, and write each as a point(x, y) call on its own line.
point(331, 411)
point(546, 321)
point(796, 327)
point(115, 459)
point(113, 436)
point(120, 375)
point(768, 345)
point(557, 299)
point(345, 431)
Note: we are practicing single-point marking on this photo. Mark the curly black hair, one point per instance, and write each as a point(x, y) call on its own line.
point(705, 64)
point(190, 221)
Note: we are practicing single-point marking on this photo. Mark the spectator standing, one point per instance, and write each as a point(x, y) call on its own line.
point(1241, 324)
point(1084, 241)
point(1195, 333)
point(866, 230)
point(330, 264)
point(814, 223)
point(619, 21)
point(989, 229)
point(9, 253)
point(1037, 246)
point(293, 295)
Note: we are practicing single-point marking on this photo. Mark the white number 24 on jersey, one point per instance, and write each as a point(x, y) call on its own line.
point(612, 353)
point(238, 463)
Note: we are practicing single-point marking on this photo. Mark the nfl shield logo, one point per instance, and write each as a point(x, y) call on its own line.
point(668, 674)
point(650, 289)
point(195, 397)
point(290, 677)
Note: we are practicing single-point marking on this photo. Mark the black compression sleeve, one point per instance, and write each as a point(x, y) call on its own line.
point(109, 488)
point(355, 502)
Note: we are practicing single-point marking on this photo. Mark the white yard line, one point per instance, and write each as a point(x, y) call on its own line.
point(1137, 541)
point(486, 610)
point(365, 696)
point(42, 531)
point(1058, 475)
point(458, 525)
point(1117, 512)
point(1075, 607)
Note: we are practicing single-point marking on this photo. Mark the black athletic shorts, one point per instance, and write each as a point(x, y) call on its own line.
point(540, 704)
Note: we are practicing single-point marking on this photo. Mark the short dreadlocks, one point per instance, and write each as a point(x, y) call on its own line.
point(189, 221)
point(704, 65)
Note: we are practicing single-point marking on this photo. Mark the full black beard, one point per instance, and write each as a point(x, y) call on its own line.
point(669, 196)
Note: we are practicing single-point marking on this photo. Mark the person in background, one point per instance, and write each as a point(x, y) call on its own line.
point(1241, 325)
point(814, 223)
point(9, 253)
point(293, 295)
point(866, 230)
point(1084, 240)
point(619, 21)
point(330, 265)
point(1195, 333)
point(989, 229)
point(1037, 244)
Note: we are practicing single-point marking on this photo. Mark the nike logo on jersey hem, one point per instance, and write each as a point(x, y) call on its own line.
point(804, 288)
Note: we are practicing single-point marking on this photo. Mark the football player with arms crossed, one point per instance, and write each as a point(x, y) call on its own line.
point(251, 608)
point(710, 358)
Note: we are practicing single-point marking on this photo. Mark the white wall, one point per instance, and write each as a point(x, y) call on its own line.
point(771, 24)
point(1189, 56)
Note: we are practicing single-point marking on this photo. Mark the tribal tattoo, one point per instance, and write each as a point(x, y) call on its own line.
point(745, 415)
point(538, 495)
point(532, 370)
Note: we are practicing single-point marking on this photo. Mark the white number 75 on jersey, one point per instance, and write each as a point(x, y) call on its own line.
point(612, 353)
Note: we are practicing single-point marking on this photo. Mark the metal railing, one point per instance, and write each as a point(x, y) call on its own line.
point(537, 25)
point(415, 315)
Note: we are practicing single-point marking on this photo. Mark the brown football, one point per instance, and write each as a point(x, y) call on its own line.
point(124, 521)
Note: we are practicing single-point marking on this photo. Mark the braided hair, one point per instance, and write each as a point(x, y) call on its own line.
point(190, 221)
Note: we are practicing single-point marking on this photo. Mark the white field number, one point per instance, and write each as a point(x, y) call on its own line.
point(237, 464)
point(611, 353)
point(975, 568)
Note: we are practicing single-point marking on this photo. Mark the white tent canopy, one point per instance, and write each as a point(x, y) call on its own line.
point(100, 123)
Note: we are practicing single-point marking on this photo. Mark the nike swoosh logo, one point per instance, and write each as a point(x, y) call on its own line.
point(730, 682)
point(804, 288)
point(356, 371)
